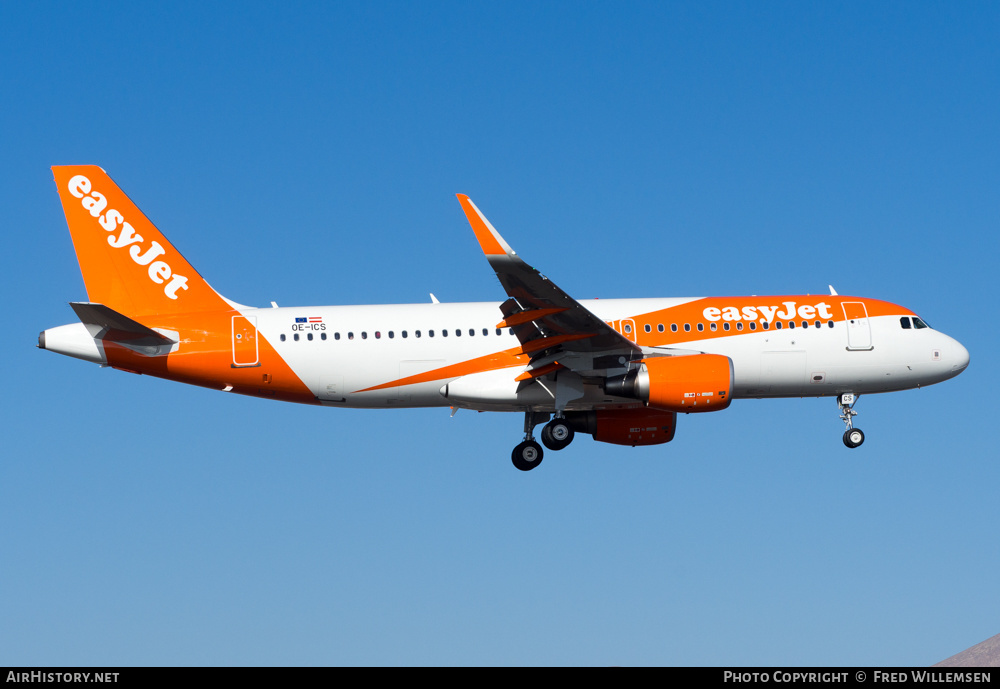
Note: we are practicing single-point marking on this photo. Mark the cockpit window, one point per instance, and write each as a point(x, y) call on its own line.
point(918, 324)
point(904, 322)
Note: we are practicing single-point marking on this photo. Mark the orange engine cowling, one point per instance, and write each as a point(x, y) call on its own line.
point(694, 383)
point(626, 426)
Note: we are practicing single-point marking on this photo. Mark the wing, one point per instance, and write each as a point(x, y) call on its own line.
point(552, 327)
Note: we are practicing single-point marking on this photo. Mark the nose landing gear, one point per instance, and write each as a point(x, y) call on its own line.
point(853, 437)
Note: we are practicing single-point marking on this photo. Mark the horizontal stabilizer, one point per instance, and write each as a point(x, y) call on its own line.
point(107, 324)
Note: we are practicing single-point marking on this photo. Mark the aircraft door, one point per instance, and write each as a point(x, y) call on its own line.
point(859, 331)
point(628, 329)
point(245, 351)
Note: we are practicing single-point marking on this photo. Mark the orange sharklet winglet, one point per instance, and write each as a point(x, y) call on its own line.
point(527, 316)
point(540, 371)
point(489, 239)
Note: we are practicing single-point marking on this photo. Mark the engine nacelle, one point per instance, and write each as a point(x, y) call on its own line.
point(626, 426)
point(694, 383)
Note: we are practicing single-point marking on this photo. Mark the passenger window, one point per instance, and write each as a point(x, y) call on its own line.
point(364, 334)
point(485, 332)
point(739, 326)
point(403, 334)
point(444, 333)
point(687, 327)
point(830, 323)
point(805, 324)
point(322, 336)
point(714, 327)
point(904, 323)
point(430, 333)
point(472, 332)
point(378, 334)
point(753, 325)
point(648, 328)
point(295, 337)
point(309, 336)
point(777, 325)
point(791, 324)
point(659, 328)
point(766, 325)
point(458, 333)
point(628, 328)
point(391, 335)
point(673, 327)
point(282, 337)
point(701, 327)
point(818, 324)
point(498, 331)
point(336, 336)
point(350, 336)
point(416, 333)
point(725, 326)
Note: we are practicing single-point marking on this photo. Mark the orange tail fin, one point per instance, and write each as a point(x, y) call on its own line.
point(127, 264)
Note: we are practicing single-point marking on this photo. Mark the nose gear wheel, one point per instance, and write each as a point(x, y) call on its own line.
point(853, 437)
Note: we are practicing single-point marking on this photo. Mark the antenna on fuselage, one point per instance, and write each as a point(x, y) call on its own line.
point(833, 292)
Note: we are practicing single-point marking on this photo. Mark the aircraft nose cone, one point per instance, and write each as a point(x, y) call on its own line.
point(960, 358)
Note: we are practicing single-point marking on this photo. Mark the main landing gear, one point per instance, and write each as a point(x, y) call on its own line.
point(527, 455)
point(853, 437)
point(556, 435)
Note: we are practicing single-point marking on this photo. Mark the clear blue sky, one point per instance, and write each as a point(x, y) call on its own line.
point(310, 154)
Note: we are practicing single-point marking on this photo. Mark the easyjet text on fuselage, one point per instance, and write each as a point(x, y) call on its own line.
point(788, 311)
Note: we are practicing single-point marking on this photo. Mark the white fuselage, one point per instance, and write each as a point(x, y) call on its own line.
point(372, 345)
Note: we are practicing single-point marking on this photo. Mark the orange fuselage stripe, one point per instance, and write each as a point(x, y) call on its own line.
point(491, 362)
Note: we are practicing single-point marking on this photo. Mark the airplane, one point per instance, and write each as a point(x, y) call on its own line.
point(620, 370)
